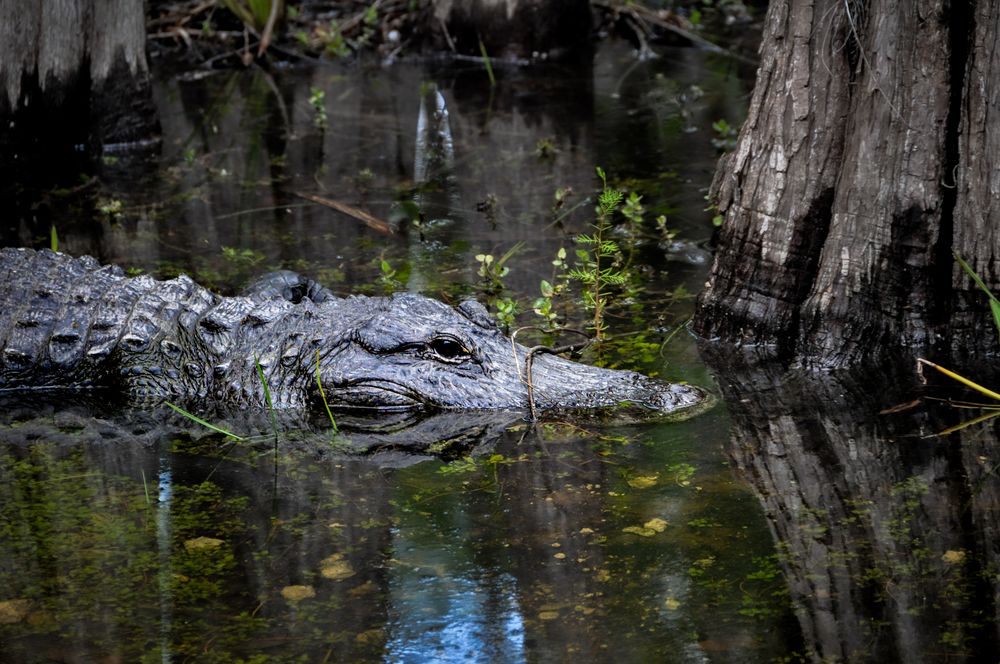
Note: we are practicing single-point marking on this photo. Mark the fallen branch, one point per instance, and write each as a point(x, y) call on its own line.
point(368, 220)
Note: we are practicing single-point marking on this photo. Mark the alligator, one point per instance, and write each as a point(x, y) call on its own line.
point(71, 324)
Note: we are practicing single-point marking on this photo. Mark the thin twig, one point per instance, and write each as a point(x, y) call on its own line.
point(372, 222)
point(529, 359)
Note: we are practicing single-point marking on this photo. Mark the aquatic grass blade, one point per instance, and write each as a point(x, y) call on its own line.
point(261, 9)
point(267, 396)
point(322, 395)
point(195, 418)
point(53, 239)
point(966, 424)
point(263, 381)
point(995, 308)
point(994, 302)
point(962, 379)
point(486, 61)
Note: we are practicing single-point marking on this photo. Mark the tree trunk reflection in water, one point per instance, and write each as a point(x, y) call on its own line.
point(887, 538)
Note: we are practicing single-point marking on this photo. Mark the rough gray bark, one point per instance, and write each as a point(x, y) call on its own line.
point(513, 29)
point(977, 205)
point(841, 208)
point(76, 62)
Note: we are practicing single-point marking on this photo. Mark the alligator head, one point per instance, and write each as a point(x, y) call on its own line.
point(412, 352)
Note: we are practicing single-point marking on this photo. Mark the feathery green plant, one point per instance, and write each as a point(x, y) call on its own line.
point(597, 270)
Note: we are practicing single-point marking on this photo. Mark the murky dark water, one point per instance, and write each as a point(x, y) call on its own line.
point(814, 531)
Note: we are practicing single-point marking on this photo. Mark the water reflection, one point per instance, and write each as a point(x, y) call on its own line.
point(547, 543)
point(478, 165)
point(886, 530)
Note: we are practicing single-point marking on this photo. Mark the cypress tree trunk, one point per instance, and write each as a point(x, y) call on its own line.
point(864, 161)
point(74, 71)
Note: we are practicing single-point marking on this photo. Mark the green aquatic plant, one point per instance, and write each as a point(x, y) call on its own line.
point(317, 99)
point(545, 148)
point(341, 38)
point(597, 270)
point(725, 136)
point(389, 277)
point(492, 272)
point(552, 291)
point(248, 257)
point(921, 362)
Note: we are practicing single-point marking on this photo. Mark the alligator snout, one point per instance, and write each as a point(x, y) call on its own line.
point(558, 383)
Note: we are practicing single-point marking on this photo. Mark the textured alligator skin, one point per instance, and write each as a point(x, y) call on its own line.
point(72, 324)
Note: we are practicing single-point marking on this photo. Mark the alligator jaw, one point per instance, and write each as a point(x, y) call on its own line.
point(383, 395)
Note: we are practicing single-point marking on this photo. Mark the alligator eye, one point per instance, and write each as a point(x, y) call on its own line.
point(448, 349)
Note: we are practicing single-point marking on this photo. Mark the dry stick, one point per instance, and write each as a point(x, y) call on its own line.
point(351, 211)
point(529, 360)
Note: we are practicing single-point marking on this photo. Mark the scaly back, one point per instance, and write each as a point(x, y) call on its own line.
point(65, 318)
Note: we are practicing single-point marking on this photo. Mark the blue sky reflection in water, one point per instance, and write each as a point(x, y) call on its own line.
point(454, 620)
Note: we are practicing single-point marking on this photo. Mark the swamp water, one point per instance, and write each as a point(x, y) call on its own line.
point(792, 523)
